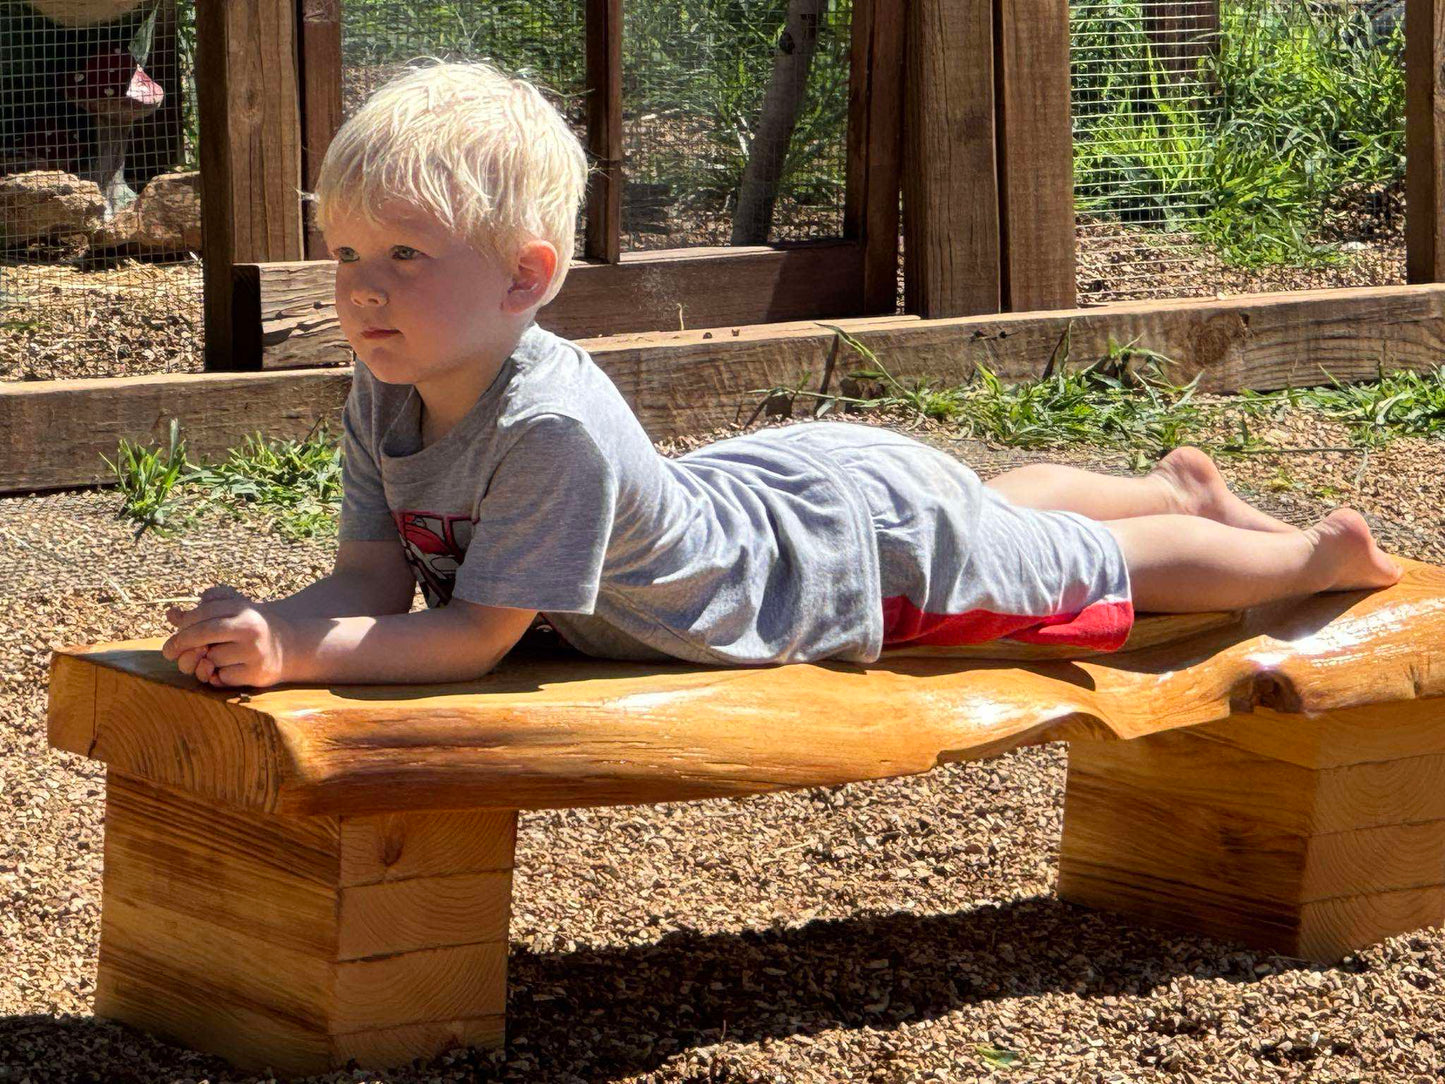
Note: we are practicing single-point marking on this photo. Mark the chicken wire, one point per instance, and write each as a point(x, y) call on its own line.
point(1156, 119)
point(92, 111)
point(695, 77)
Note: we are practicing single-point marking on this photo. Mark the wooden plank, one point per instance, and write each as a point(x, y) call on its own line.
point(424, 912)
point(398, 847)
point(604, 131)
point(646, 291)
point(320, 81)
point(950, 183)
point(1336, 927)
point(1184, 830)
point(397, 1046)
point(1354, 736)
point(875, 148)
point(694, 381)
point(1035, 155)
point(542, 730)
point(1424, 140)
point(250, 146)
point(177, 956)
point(458, 982)
point(57, 430)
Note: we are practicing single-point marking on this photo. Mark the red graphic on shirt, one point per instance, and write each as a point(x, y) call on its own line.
point(435, 546)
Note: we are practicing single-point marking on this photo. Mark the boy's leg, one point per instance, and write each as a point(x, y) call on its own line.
point(1185, 482)
point(1185, 564)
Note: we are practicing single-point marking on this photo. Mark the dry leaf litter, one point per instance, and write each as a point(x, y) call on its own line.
point(884, 932)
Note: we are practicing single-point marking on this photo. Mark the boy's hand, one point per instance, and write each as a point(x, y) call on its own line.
point(227, 640)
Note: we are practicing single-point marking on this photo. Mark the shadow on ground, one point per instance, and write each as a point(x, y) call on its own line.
point(599, 1014)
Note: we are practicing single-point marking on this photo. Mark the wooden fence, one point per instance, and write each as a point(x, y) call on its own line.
point(963, 105)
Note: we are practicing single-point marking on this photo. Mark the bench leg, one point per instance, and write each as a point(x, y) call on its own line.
point(300, 943)
point(1307, 836)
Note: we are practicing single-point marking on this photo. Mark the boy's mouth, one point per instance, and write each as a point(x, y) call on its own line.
point(379, 332)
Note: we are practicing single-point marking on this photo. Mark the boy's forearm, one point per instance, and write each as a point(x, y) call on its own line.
point(428, 646)
point(340, 594)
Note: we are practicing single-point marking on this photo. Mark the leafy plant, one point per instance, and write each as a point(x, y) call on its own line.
point(148, 479)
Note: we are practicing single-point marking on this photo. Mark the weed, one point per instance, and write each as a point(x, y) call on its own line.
point(148, 479)
point(1398, 403)
point(294, 484)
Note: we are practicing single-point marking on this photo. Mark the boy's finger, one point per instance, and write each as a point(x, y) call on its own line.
point(218, 631)
point(186, 660)
point(204, 669)
point(229, 676)
point(206, 611)
point(229, 654)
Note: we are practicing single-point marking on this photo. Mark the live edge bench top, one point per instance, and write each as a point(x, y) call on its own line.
point(547, 730)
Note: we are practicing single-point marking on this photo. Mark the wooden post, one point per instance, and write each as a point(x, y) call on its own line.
point(1424, 140)
point(320, 79)
point(1035, 155)
point(248, 100)
point(604, 131)
point(950, 187)
point(301, 942)
point(875, 147)
point(1310, 836)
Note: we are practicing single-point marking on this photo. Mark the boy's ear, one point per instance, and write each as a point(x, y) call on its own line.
point(536, 268)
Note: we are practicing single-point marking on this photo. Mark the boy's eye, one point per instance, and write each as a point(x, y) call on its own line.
point(343, 254)
point(405, 252)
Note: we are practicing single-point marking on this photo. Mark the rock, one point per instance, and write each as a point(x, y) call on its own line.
point(166, 217)
point(41, 203)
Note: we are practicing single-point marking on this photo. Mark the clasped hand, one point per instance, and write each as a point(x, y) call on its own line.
point(226, 640)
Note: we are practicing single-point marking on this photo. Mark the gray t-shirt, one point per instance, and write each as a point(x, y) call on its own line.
point(548, 495)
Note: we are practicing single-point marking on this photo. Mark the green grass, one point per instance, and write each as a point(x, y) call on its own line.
point(292, 486)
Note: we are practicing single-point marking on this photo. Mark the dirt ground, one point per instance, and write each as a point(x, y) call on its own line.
point(884, 932)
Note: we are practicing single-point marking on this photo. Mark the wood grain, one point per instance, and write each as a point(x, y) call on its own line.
point(543, 730)
point(1035, 155)
point(950, 180)
point(685, 382)
point(1424, 140)
point(230, 930)
point(248, 108)
point(1189, 830)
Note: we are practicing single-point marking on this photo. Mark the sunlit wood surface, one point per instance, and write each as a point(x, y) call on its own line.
point(550, 730)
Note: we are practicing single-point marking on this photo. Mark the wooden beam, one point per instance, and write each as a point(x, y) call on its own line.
point(875, 148)
point(688, 382)
point(57, 430)
point(950, 185)
point(705, 287)
point(320, 78)
point(1035, 154)
point(1424, 140)
point(250, 146)
point(604, 130)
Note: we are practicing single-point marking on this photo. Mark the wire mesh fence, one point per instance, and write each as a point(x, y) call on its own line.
point(1221, 146)
point(735, 117)
point(1229, 146)
point(99, 208)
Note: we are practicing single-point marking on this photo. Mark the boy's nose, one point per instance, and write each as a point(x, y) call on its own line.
point(368, 295)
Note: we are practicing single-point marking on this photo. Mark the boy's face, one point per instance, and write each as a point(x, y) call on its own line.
point(421, 306)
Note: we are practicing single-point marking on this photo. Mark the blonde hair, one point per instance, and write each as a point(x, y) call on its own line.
point(486, 154)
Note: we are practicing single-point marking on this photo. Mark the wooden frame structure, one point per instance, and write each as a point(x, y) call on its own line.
point(260, 252)
point(985, 153)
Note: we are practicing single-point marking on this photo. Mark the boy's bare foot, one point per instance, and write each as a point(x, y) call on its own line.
point(1349, 559)
point(1195, 482)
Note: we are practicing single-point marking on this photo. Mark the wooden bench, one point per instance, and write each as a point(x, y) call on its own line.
point(299, 876)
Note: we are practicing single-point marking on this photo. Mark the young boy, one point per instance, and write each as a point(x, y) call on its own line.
point(495, 465)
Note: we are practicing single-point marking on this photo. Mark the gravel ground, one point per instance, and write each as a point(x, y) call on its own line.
point(890, 931)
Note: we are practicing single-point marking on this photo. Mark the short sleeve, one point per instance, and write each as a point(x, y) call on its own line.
point(364, 514)
point(544, 525)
